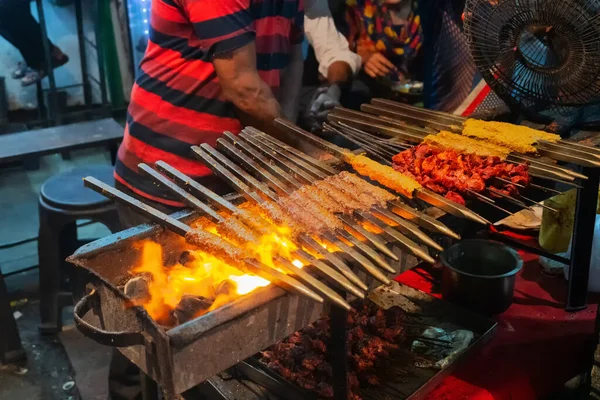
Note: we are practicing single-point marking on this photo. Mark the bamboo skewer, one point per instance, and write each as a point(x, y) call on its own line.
point(249, 265)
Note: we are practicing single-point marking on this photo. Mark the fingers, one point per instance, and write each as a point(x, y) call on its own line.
point(384, 61)
point(378, 65)
point(318, 103)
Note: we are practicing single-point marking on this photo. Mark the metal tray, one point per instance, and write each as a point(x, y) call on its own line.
point(419, 381)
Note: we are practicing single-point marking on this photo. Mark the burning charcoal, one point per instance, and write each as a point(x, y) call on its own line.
point(186, 257)
point(190, 306)
point(311, 362)
point(225, 288)
point(138, 290)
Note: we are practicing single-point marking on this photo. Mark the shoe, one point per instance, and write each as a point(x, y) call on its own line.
point(21, 70)
point(32, 77)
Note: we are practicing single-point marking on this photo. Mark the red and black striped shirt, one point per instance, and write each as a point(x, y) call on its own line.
point(176, 100)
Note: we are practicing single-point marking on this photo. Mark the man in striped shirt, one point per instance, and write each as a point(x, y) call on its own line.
point(210, 66)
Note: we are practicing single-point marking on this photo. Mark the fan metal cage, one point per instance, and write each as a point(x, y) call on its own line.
point(538, 55)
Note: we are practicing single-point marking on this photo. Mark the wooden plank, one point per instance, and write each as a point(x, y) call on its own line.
point(52, 140)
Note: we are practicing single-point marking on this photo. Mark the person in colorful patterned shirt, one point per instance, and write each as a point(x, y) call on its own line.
point(387, 35)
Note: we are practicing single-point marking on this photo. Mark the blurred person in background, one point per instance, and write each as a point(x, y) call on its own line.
point(20, 29)
point(330, 68)
point(387, 35)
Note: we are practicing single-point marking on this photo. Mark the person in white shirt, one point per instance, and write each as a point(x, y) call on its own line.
point(337, 65)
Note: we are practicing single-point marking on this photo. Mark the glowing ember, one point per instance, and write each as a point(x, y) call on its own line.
point(199, 277)
point(298, 263)
point(247, 283)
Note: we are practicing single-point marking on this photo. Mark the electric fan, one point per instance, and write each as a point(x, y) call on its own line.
point(541, 57)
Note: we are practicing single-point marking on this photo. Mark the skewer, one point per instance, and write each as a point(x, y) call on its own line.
point(361, 138)
point(575, 151)
point(567, 157)
point(535, 163)
point(357, 230)
point(362, 261)
point(249, 265)
point(507, 197)
point(213, 160)
point(421, 219)
point(312, 244)
point(372, 254)
point(405, 226)
point(374, 152)
point(583, 147)
point(489, 201)
point(440, 116)
point(269, 146)
point(424, 194)
point(403, 241)
point(544, 188)
point(404, 132)
point(304, 239)
point(257, 171)
point(357, 257)
point(298, 173)
point(405, 116)
point(311, 160)
point(197, 204)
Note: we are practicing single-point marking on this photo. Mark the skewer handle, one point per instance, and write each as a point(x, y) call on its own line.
point(135, 205)
point(185, 197)
point(196, 188)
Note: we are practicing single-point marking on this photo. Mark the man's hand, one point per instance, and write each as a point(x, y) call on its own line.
point(242, 85)
point(377, 66)
point(322, 102)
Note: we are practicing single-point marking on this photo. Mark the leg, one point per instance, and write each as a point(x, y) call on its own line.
point(22, 31)
point(10, 342)
point(49, 267)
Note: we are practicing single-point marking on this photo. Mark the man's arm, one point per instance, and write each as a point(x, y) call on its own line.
point(242, 85)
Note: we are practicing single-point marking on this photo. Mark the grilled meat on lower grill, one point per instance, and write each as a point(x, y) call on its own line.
point(302, 357)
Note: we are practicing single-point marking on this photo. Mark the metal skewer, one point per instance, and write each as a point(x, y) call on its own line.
point(357, 257)
point(424, 194)
point(197, 204)
point(406, 226)
point(250, 265)
point(303, 239)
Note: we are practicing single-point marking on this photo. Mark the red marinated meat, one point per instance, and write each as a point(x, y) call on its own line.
point(454, 175)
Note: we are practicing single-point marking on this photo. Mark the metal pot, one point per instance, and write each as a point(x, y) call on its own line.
point(480, 275)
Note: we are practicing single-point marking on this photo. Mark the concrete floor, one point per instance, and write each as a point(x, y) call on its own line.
point(49, 365)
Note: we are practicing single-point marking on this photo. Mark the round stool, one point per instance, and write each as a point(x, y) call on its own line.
point(63, 201)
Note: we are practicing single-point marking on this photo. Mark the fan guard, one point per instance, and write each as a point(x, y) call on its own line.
point(537, 55)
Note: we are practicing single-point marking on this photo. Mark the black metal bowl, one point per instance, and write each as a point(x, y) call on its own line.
point(480, 275)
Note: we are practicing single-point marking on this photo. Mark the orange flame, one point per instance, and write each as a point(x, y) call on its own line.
point(204, 273)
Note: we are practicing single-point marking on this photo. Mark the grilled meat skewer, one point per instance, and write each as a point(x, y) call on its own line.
point(207, 242)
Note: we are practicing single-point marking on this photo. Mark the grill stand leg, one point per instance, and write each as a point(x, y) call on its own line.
point(583, 236)
point(149, 387)
point(338, 352)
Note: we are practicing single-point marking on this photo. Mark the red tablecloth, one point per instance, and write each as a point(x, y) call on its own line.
point(537, 348)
